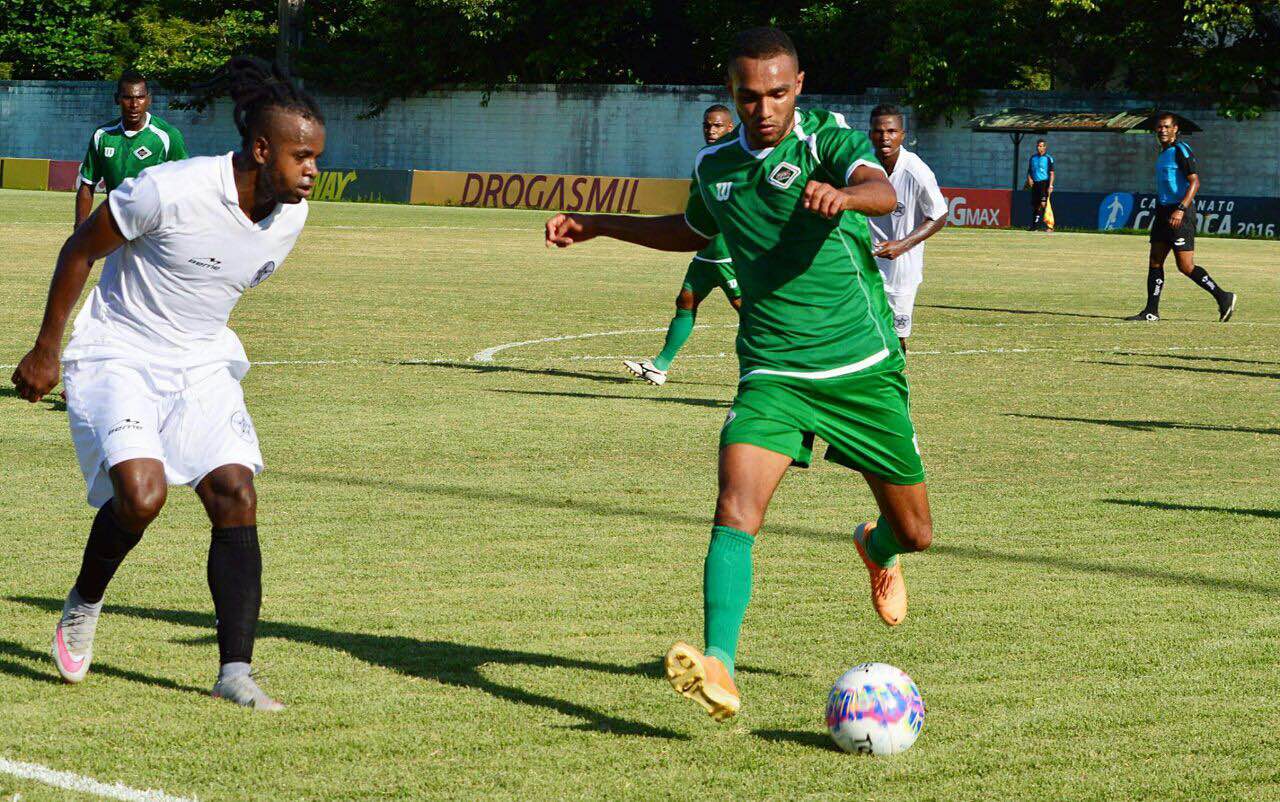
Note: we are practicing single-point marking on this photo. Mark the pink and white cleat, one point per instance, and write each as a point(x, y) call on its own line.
point(72, 646)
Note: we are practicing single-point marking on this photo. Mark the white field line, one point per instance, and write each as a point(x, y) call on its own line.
point(487, 354)
point(84, 785)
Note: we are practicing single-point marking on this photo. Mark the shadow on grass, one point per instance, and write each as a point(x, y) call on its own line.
point(18, 650)
point(1018, 311)
point(809, 738)
point(448, 663)
point(1172, 507)
point(1190, 358)
point(1147, 425)
point(52, 402)
point(665, 399)
point(962, 551)
point(1253, 374)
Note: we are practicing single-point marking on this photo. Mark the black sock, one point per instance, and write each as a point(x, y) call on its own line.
point(235, 580)
point(1155, 283)
point(108, 544)
point(1201, 278)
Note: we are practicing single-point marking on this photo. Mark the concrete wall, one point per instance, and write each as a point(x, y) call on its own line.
point(648, 131)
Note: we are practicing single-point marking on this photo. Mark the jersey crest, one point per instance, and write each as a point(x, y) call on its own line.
point(784, 175)
point(108, 151)
point(263, 274)
point(142, 152)
point(723, 189)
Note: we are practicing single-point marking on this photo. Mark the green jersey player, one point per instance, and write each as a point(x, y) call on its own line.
point(816, 346)
point(126, 146)
point(711, 267)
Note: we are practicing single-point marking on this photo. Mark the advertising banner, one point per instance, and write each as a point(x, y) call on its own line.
point(24, 173)
point(985, 208)
point(1239, 216)
point(64, 176)
point(570, 193)
point(368, 186)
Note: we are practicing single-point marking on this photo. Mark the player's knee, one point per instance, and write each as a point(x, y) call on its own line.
point(740, 513)
point(236, 497)
point(916, 535)
point(686, 300)
point(138, 503)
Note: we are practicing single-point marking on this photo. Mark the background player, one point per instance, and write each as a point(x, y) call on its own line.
point(125, 147)
point(1174, 224)
point(816, 351)
point(1040, 175)
point(152, 371)
point(921, 212)
point(711, 267)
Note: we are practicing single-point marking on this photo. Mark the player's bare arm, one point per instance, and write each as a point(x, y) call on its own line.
point(666, 233)
point(869, 192)
point(84, 203)
point(1193, 186)
point(38, 371)
point(895, 248)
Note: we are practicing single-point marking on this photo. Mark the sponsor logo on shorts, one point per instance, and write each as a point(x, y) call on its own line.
point(142, 152)
point(208, 262)
point(1180, 241)
point(902, 322)
point(723, 189)
point(243, 427)
point(126, 425)
point(263, 274)
point(784, 175)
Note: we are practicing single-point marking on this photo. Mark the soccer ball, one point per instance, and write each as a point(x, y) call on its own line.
point(875, 709)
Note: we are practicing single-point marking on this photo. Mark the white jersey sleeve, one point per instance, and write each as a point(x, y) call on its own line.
point(136, 206)
point(930, 200)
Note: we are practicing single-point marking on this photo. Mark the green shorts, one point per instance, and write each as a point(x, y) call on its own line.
point(702, 277)
point(864, 417)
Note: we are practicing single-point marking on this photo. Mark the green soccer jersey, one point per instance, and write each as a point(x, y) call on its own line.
point(116, 154)
point(714, 252)
point(813, 302)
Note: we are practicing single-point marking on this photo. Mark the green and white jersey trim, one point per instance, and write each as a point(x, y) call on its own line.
point(712, 261)
point(845, 370)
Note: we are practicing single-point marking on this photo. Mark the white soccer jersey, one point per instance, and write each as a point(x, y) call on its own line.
point(918, 198)
point(165, 296)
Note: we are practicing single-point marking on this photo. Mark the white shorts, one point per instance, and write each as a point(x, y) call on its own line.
point(193, 421)
point(902, 304)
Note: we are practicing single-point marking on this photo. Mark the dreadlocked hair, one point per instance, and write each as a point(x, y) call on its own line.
point(256, 85)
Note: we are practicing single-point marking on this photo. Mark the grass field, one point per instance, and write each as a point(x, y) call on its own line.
point(473, 568)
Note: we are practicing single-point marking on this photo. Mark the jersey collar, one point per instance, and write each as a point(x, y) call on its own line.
point(763, 153)
point(231, 196)
point(146, 123)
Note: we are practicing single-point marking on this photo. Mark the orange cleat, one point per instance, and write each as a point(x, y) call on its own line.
point(888, 588)
point(703, 679)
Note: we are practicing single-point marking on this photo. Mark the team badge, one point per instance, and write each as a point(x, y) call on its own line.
point(108, 152)
point(899, 210)
point(263, 274)
point(723, 189)
point(243, 427)
point(784, 175)
point(142, 152)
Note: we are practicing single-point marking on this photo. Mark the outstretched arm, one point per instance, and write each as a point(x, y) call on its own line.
point(667, 233)
point(869, 192)
point(38, 371)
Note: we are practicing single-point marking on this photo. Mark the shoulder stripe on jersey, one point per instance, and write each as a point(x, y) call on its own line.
point(163, 136)
point(708, 150)
point(839, 118)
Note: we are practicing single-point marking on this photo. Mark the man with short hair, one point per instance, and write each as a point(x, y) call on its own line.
point(1040, 175)
point(921, 212)
point(816, 351)
point(1174, 224)
point(128, 145)
point(152, 370)
point(711, 267)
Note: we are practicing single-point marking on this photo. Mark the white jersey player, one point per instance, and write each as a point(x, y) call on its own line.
point(898, 238)
point(152, 372)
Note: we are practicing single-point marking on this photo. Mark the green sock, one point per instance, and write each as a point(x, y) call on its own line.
point(883, 547)
point(677, 335)
point(726, 589)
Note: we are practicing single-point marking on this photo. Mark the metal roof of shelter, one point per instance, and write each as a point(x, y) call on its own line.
point(1031, 121)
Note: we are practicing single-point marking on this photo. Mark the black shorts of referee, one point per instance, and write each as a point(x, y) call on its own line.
point(1039, 193)
point(1183, 238)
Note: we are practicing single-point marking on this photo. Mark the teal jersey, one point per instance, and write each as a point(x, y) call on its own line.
point(813, 302)
point(714, 252)
point(116, 154)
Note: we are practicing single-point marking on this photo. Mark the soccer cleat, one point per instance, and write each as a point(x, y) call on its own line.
point(888, 588)
point(646, 370)
point(244, 691)
point(703, 679)
point(72, 646)
point(1226, 308)
point(1144, 316)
